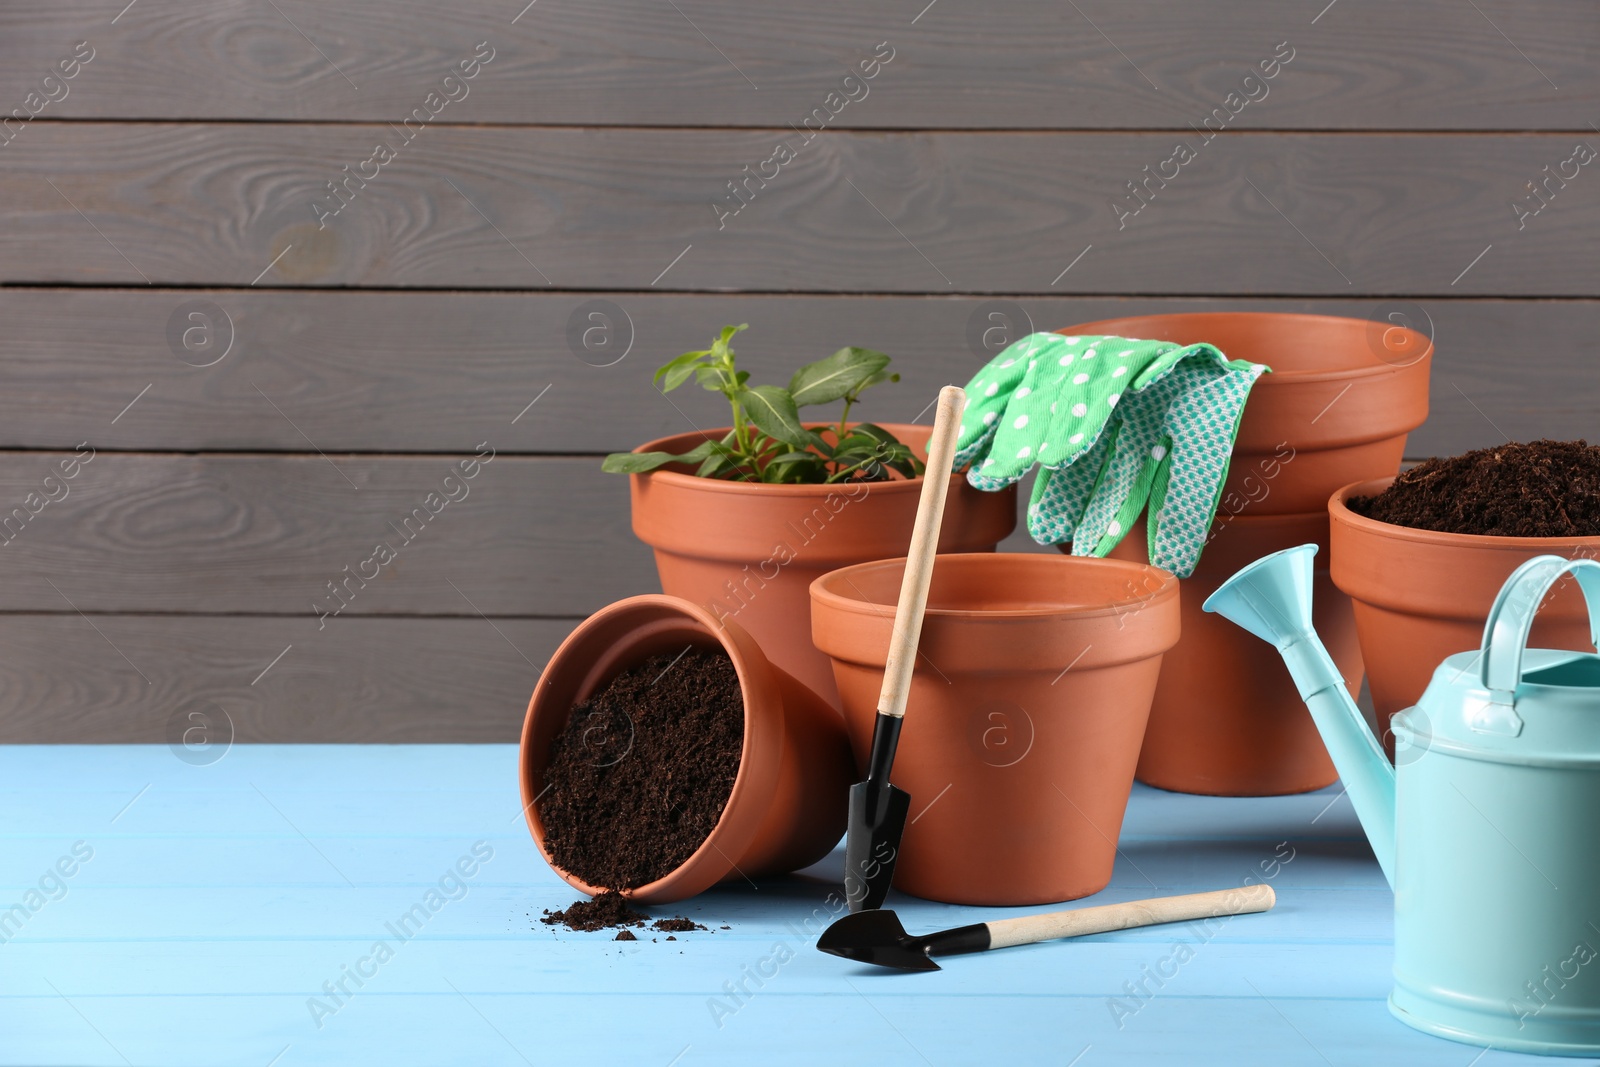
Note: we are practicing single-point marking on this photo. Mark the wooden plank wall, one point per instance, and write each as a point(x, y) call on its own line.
point(267, 370)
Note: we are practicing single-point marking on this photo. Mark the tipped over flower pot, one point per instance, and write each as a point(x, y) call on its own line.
point(749, 551)
point(786, 806)
point(1341, 399)
point(1027, 707)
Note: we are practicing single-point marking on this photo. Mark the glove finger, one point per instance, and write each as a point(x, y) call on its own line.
point(1023, 424)
point(989, 392)
point(1059, 496)
point(1117, 507)
point(1087, 385)
point(1200, 425)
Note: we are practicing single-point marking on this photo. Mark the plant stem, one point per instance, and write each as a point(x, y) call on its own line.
point(844, 417)
point(740, 441)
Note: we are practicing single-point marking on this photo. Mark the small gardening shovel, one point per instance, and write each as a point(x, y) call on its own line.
point(878, 809)
point(877, 937)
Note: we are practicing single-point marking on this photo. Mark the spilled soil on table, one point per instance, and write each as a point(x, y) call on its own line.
point(610, 910)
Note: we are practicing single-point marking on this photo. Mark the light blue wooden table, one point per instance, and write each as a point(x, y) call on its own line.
point(219, 899)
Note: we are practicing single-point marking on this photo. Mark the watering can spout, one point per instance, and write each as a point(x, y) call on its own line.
point(1272, 599)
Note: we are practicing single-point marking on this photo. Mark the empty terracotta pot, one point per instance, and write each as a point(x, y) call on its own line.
point(1226, 719)
point(1027, 706)
point(749, 552)
point(1421, 596)
point(787, 806)
point(1341, 398)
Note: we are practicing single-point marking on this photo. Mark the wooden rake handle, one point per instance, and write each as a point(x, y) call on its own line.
point(919, 558)
point(1051, 925)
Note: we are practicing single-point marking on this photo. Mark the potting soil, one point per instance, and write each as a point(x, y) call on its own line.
point(1538, 489)
point(640, 774)
point(609, 909)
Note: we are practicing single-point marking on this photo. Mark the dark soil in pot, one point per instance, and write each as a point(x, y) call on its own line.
point(641, 772)
point(1539, 489)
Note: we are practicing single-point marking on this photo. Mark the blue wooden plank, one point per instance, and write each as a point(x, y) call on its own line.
point(598, 966)
point(855, 1024)
point(215, 861)
point(290, 912)
point(205, 925)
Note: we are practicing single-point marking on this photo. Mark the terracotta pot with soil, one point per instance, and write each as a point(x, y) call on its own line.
point(1027, 707)
point(663, 753)
point(1342, 397)
point(1422, 594)
point(749, 552)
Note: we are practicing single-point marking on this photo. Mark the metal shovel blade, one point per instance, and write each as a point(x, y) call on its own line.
point(872, 843)
point(876, 937)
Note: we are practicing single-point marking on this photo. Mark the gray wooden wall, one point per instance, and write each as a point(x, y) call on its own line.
point(168, 206)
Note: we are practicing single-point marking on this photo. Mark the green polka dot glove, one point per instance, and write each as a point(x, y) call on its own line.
point(1114, 424)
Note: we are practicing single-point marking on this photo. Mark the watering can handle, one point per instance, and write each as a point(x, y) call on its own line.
point(1505, 634)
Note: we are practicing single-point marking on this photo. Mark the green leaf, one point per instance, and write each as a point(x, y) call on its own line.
point(677, 371)
point(873, 432)
point(639, 462)
point(723, 457)
point(793, 457)
point(842, 374)
point(773, 411)
point(719, 347)
point(713, 466)
point(794, 468)
point(712, 377)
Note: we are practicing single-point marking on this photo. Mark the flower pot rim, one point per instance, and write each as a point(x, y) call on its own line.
point(1290, 377)
point(724, 839)
point(897, 482)
point(1340, 512)
point(832, 599)
point(1264, 519)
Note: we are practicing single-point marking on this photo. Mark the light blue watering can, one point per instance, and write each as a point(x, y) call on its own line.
point(1488, 826)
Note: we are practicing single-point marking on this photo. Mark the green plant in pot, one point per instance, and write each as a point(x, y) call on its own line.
point(768, 442)
point(742, 518)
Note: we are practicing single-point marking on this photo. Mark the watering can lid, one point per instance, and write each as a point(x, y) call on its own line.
point(1506, 702)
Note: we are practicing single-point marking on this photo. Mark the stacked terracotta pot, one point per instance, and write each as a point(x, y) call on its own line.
point(1341, 398)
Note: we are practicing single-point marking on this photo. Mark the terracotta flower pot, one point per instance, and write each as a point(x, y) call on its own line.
point(1343, 394)
point(1027, 707)
point(1226, 719)
point(787, 806)
point(1421, 596)
point(749, 552)
point(1341, 398)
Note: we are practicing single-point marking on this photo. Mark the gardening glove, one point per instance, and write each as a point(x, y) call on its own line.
point(1115, 425)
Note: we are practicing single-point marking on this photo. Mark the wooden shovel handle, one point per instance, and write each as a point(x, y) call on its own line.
point(1051, 925)
point(919, 558)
